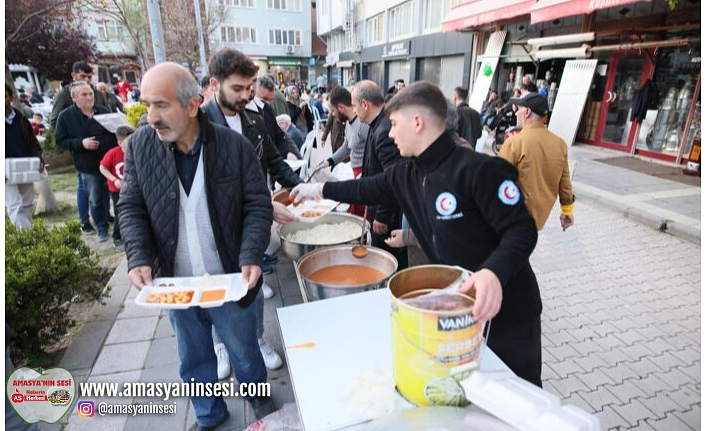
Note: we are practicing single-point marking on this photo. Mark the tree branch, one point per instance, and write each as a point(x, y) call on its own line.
point(11, 38)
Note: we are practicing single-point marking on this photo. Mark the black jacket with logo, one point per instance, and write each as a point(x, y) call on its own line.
point(255, 130)
point(465, 209)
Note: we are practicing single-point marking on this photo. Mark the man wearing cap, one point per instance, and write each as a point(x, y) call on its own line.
point(541, 158)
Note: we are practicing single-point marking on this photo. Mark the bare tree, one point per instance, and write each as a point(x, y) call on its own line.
point(131, 14)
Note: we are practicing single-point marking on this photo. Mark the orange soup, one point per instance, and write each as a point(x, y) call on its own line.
point(213, 295)
point(346, 275)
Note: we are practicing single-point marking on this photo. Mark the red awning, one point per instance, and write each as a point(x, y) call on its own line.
point(549, 10)
point(477, 12)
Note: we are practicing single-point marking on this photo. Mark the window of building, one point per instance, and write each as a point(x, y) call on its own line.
point(435, 11)
point(401, 20)
point(238, 3)
point(291, 5)
point(246, 35)
point(285, 37)
point(111, 31)
point(374, 30)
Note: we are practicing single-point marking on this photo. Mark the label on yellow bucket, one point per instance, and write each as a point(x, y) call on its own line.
point(434, 349)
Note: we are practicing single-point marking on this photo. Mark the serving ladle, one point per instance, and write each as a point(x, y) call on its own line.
point(359, 251)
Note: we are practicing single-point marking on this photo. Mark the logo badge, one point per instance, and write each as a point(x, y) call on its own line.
point(41, 395)
point(509, 193)
point(446, 204)
point(85, 409)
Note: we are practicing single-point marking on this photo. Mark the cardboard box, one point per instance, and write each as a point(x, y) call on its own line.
point(22, 170)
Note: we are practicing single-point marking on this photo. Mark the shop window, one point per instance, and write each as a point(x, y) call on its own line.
point(670, 97)
point(401, 20)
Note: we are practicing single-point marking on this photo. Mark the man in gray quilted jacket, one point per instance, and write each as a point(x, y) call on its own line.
point(194, 201)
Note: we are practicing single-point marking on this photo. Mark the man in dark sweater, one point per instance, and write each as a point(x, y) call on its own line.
point(465, 209)
point(19, 142)
point(78, 131)
point(469, 126)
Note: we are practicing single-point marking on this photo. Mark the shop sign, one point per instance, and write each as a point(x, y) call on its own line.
point(332, 58)
point(284, 62)
point(397, 49)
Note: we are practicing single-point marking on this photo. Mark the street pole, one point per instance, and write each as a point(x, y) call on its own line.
point(202, 47)
point(156, 31)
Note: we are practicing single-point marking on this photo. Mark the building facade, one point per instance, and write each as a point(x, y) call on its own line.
point(621, 74)
point(277, 34)
point(387, 40)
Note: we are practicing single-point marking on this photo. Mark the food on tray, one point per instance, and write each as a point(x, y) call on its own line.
point(181, 297)
point(213, 295)
point(312, 214)
point(333, 233)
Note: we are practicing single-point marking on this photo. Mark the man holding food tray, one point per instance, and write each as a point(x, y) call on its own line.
point(194, 202)
point(465, 209)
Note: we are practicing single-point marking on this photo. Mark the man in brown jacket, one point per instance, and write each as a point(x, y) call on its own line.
point(541, 158)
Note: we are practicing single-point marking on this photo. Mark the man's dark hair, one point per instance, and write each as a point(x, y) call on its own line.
point(369, 91)
point(205, 81)
point(8, 90)
point(421, 94)
point(399, 80)
point(229, 61)
point(340, 94)
point(266, 83)
point(81, 66)
point(525, 87)
point(462, 93)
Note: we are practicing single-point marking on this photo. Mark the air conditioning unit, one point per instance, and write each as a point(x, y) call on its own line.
point(289, 49)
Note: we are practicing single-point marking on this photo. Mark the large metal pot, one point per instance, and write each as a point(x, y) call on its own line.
point(295, 250)
point(341, 255)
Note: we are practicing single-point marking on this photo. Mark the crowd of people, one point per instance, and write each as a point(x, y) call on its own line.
point(191, 195)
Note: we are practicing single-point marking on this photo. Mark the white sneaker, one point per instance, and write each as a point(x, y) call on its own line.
point(223, 360)
point(272, 359)
point(267, 291)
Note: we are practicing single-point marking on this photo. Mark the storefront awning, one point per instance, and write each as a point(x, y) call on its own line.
point(549, 10)
point(344, 64)
point(477, 12)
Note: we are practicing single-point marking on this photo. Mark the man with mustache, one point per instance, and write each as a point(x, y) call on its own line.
point(232, 82)
point(193, 201)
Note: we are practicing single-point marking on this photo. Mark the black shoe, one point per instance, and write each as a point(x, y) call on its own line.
point(197, 427)
point(267, 268)
point(270, 258)
point(262, 406)
point(119, 245)
point(88, 229)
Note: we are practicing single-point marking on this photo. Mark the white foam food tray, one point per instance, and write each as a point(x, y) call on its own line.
point(184, 292)
point(309, 211)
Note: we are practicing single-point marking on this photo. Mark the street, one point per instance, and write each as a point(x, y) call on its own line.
point(621, 320)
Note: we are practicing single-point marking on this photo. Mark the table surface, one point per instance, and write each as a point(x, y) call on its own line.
point(352, 336)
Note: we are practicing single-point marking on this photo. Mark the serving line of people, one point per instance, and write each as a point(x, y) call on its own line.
point(194, 199)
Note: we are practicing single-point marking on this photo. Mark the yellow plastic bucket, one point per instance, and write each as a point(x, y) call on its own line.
point(432, 350)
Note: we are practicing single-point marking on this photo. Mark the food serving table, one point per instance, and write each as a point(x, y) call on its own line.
point(330, 344)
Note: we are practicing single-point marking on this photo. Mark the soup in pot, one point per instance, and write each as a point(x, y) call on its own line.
point(346, 275)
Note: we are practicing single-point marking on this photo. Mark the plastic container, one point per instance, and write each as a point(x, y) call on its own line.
point(184, 292)
point(309, 211)
point(22, 170)
point(524, 405)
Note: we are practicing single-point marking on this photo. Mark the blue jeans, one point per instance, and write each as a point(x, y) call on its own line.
point(82, 201)
point(259, 304)
point(115, 196)
point(99, 200)
point(197, 360)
